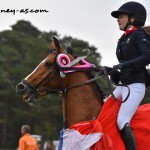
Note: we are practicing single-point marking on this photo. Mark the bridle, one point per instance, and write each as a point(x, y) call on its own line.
point(35, 90)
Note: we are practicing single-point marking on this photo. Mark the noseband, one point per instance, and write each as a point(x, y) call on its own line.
point(50, 77)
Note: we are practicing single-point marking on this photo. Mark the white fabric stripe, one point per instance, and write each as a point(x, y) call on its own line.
point(73, 140)
point(35, 69)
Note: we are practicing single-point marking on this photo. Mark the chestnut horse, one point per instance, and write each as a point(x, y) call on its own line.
point(81, 104)
point(84, 102)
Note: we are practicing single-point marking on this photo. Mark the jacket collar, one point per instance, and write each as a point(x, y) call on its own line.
point(129, 31)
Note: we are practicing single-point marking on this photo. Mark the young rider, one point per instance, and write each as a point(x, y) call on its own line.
point(133, 53)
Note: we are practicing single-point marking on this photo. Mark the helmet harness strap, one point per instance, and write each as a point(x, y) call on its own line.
point(128, 23)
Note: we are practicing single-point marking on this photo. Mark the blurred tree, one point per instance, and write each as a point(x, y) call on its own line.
point(26, 27)
point(79, 45)
point(48, 36)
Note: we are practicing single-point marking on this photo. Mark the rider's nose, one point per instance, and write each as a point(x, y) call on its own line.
point(21, 88)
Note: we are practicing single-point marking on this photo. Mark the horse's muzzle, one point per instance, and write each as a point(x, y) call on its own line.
point(22, 89)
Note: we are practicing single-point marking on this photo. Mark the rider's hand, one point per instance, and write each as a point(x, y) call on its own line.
point(119, 66)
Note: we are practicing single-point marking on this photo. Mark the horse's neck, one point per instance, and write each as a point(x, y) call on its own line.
point(81, 103)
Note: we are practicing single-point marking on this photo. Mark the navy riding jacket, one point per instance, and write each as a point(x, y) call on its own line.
point(133, 50)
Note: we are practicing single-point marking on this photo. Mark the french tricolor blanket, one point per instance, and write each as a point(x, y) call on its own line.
point(102, 133)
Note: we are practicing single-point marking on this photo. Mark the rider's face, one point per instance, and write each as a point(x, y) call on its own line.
point(122, 21)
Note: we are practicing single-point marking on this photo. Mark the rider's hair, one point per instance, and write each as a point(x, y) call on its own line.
point(138, 21)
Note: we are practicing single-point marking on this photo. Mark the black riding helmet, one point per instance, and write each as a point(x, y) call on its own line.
point(132, 9)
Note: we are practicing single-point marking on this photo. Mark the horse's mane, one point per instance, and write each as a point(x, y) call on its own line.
point(147, 29)
point(99, 91)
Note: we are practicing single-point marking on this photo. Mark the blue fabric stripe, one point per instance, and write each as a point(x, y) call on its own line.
point(61, 140)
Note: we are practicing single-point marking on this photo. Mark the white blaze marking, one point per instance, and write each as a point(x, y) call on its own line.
point(35, 70)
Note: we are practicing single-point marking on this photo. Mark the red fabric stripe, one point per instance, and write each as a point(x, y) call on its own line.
point(106, 124)
point(129, 31)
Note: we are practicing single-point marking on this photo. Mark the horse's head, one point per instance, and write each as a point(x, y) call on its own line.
point(46, 76)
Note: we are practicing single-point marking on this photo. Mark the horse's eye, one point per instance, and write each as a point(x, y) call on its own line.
point(48, 64)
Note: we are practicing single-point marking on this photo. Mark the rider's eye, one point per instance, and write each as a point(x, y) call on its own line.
point(48, 64)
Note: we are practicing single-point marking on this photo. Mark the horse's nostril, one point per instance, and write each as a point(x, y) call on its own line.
point(21, 88)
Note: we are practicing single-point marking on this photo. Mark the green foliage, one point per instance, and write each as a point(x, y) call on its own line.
point(79, 45)
point(26, 27)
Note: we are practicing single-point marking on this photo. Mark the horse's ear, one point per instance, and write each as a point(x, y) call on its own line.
point(56, 42)
point(52, 45)
point(57, 45)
